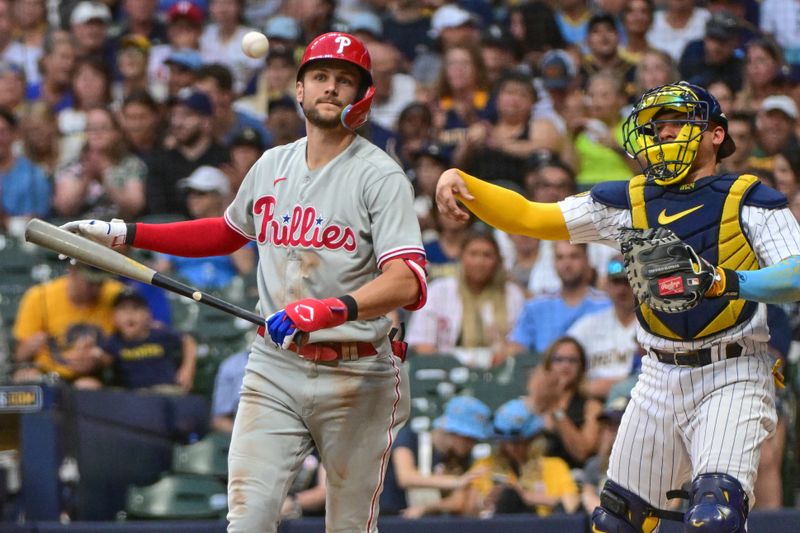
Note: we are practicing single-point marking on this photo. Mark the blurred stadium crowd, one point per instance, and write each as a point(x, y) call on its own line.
point(523, 359)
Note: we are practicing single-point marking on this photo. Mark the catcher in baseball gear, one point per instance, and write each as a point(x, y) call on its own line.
point(667, 275)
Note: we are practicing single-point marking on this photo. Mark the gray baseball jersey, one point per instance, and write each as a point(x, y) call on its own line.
point(320, 234)
point(325, 232)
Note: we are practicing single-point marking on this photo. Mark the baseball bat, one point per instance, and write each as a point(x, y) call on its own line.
point(92, 253)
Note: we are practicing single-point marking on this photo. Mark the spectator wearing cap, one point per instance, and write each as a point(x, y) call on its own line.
point(89, 23)
point(30, 26)
point(141, 120)
point(393, 89)
point(463, 108)
point(141, 19)
point(558, 78)
point(284, 121)
point(132, 60)
point(556, 393)
point(207, 192)
point(56, 66)
point(451, 25)
point(91, 87)
point(82, 296)
point(283, 33)
point(367, 26)
point(429, 163)
point(245, 149)
point(217, 82)
point(775, 129)
point(637, 17)
point(534, 30)
point(763, 74)
point(275, 81)
point(441, 464)
point(715, 56)
point(519, 477)
point(183, 65)
point(602, 40)
point(105, 180)
point(778, 20)
point(221, 42)
point(184, 28)
point(514, 135)
point(25, 190)
point(472, 311)
point(608, 336)
point(674, 27)
point(144, 354)
point(190, 145)
point(572, 17)
point(593, 474)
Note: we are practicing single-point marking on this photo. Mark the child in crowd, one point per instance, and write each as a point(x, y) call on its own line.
point(146, 354)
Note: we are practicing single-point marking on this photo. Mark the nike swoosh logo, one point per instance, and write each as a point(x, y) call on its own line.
point(278, 180)
point(664, 218)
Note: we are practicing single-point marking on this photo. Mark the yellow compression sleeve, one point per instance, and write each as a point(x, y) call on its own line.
point(512, 213)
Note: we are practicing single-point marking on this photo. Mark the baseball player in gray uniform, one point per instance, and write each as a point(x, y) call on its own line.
point(339, 247)
point(704, 402)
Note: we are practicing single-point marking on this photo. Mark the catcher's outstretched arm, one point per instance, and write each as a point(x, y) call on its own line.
point(778, 283)
point(512, 213)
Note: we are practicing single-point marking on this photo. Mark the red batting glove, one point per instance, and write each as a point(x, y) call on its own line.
point(310, 314)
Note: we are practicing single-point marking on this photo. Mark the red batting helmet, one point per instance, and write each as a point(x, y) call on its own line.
point(345, 47)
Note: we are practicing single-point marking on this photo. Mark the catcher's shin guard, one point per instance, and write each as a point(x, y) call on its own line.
point(622, 511)
point(718, 504)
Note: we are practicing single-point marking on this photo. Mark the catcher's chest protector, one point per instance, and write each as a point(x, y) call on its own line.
point(707, 217)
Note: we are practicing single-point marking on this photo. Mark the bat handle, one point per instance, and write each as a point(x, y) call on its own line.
point(170, 284)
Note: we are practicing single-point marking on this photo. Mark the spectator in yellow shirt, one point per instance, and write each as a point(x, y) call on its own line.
point(517, 477)
point(84, 295)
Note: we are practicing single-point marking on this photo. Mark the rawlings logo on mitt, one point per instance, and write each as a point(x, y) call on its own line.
point(666, 274)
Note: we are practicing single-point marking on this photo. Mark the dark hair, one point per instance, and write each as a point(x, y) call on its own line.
point(650, 5)
point(481, 77)
point(142, 97)
point(744, 116)
point(98, 65)
point(9, 117)
point(792, 156)
point(541, 159)
point(477, 235)
point(769, 46)
point(541, 28)
point(602, 18)
point(515, 76)
point(219, 73)
point(552, 348)
point(764, 175)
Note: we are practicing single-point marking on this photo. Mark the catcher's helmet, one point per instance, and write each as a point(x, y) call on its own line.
point(344, 47)
point(668, 162)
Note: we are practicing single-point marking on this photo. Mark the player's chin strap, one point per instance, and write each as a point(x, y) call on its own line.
point(355, 115)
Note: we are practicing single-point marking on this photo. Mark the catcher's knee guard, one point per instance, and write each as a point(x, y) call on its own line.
point(622, 511)
point(717, 504)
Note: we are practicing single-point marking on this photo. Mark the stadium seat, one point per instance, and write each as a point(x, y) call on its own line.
point(176, 497)
point(208, 456)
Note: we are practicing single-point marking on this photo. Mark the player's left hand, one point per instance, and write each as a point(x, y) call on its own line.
point(305, 315)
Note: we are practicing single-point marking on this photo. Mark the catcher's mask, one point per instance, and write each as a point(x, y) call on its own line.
point(344, 47)
point(668, 162)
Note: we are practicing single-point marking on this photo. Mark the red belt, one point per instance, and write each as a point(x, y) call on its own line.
point(334, 351)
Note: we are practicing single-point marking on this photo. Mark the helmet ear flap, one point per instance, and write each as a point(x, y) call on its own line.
point(356, 114)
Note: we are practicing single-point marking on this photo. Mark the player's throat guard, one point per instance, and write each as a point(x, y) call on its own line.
point(668, 161)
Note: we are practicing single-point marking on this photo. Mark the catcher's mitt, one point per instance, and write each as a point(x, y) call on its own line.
point(665, 273)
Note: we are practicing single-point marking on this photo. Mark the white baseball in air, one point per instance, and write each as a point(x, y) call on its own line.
point(255, 44)
point(197, 295)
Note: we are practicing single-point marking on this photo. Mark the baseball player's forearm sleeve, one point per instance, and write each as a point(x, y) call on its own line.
point(512, 213)
point(191, 238)
point(779, 283)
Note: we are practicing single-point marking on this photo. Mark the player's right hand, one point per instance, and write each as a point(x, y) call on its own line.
point(111, 234)
point(450, 185)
